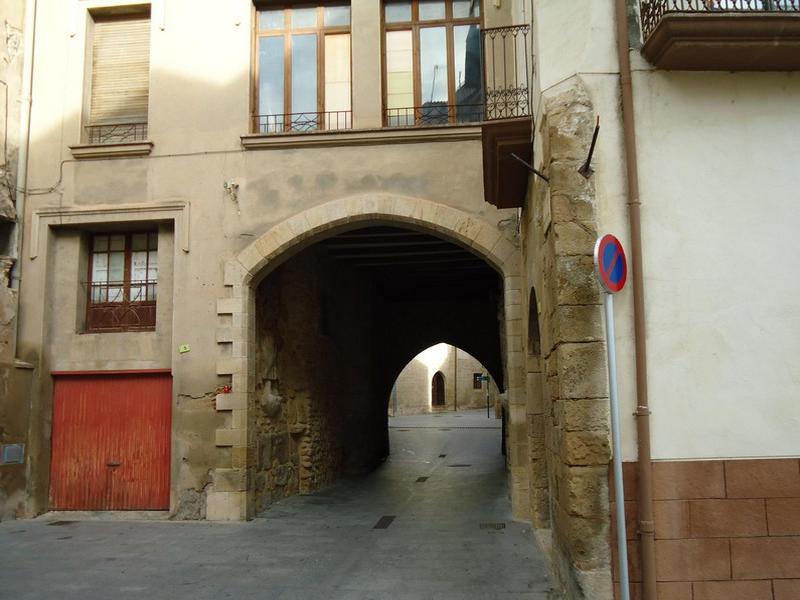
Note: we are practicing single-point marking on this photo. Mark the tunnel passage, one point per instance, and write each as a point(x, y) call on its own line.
point(335, 325)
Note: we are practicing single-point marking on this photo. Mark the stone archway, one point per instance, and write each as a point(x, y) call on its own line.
point(231, 497)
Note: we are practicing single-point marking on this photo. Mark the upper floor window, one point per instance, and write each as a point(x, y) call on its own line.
point(120, 76)
point(432, 62)
point(123, 282)
point(303, 68)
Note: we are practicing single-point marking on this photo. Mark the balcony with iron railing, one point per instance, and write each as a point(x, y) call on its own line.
point(116, 133)
point(501, 91)
point(303, 122)
point(121, 306)
point(112, 140)
point(723, 35)
point(490, 98)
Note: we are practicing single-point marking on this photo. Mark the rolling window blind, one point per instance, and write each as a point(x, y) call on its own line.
point(120, 70)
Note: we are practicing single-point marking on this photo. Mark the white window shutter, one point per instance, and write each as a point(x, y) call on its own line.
point(120, 70)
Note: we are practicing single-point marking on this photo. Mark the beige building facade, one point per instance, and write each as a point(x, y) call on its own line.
point(263, 268)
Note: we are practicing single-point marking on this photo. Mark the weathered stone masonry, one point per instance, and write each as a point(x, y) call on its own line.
point(313, 378)
point(567, 381)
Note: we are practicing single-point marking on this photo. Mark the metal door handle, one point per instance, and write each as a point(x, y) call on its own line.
point(113, 463)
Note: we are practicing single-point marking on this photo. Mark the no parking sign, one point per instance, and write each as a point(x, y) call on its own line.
point(612, 271)
point(610, 263)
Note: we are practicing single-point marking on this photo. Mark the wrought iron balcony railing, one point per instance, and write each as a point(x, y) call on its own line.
point(505, 93)
point(303, 122)
point(505, 54)
point(121, 306)
point(654, 10)
point(116, 133)
point(434, 113)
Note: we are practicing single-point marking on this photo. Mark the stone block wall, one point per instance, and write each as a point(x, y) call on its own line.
point(567, 387)
point(313, 378)
point(725, 529)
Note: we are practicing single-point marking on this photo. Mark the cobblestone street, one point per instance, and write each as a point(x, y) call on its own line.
point(447, 537)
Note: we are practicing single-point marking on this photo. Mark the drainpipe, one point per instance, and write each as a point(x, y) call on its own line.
point(644, 463)
point(24, 135)
point(21, 183)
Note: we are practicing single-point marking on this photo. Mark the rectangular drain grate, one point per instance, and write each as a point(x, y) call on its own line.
point(493, 525)
point(459, 465)
point(422, 479)
point(442, 455)
point(403, 430)
point(444, 430)
point(384, 522)
point(59, 523)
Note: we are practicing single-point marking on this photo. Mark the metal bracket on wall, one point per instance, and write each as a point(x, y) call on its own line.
point(531, 168)
point(586, 168)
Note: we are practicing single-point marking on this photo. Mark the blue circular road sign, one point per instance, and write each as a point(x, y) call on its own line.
point(610, 263)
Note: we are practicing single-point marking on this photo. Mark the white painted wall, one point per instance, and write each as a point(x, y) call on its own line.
point(720, 189)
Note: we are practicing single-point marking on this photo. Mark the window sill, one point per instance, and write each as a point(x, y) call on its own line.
point(362, 137)
point(129, 330)
point(121, 150)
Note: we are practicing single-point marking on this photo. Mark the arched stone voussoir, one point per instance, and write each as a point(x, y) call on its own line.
point(469, 230)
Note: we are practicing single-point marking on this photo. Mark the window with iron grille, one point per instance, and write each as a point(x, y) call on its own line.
point(123, 282)
point(303, 74)
point(432, 62)
point(120, 76)
point(477, 381)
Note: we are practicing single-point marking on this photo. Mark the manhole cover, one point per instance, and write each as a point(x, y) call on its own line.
point(422, 479)
point(459, 465)
point(60, 523)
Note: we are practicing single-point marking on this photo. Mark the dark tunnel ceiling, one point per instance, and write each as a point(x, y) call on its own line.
point(409, 265)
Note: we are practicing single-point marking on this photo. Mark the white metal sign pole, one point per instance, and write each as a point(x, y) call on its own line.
point(616, 441)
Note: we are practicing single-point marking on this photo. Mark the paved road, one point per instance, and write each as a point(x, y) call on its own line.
point(323, 546)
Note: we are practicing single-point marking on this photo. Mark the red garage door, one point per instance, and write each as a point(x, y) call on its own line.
point(111, 441)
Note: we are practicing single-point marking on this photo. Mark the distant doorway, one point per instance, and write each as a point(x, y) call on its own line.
point(437, 389)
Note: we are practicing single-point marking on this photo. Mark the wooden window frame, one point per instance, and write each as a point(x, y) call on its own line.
point(320, 30)
point(125, 130)
point(449, 22)
point(144, 311)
